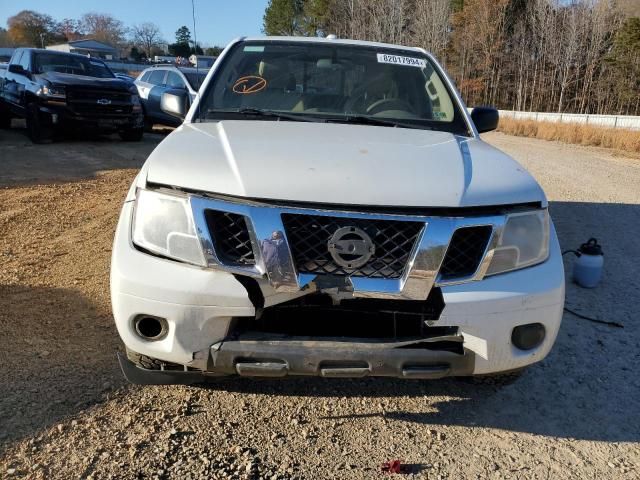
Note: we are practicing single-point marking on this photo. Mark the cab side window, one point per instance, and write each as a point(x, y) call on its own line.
point(174, 80)
point(157, 77)
point(145, 77)
point(15, 59)
point(24, 60)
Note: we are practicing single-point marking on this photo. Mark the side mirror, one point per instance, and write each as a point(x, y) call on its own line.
point(175, 102)
point(17, 69)
point(485, 118)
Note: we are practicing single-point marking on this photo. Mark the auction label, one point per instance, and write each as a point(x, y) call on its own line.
point(398, 60)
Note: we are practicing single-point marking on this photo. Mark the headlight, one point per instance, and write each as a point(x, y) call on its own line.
point(524, 242)
point(163, 224)
point(53, 92)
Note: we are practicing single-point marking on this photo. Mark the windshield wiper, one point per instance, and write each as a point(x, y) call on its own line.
point(256, 112)
point(366, 120)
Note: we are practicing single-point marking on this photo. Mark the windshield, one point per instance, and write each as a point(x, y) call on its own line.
point(74, 65)
point(195, 79)
point(327, 82)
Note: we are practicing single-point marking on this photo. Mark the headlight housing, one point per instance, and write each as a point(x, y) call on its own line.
point(524, 242)
point(163, 224)
point(53, 92)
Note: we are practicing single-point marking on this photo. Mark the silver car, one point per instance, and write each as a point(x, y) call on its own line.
point(159, 79)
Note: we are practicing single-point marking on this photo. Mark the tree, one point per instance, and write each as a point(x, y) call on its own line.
point(478, 41)
point(5, 40)
point(104, 28)
point(134, 54)
point(282, 17)
point(431, 25)
point(213, 51)
point(31, 29)
point(316, 15)
point(183, 35)
point(180, 49)
point(146, 36)
point(624, 62)
point(70, 29)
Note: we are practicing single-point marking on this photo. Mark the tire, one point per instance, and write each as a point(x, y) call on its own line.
point(37, 132)
point(5, 118)
point(132, 135)
point(148, 123)
point(143, 361)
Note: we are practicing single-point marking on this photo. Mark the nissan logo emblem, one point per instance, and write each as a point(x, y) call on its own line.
point(351, 247)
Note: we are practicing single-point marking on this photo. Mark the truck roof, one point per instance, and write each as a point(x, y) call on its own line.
point(342, 41)
point(57, 52)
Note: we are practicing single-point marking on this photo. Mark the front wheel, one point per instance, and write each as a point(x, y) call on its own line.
point(38, 133)
point(5, 118)
point(132, 134)
point(142, 361)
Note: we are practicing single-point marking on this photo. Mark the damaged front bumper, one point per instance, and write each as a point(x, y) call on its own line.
point(276, 356)
point(202, 307)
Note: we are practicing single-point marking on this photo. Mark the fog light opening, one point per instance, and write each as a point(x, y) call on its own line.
point(151, 328)
point(527, 337)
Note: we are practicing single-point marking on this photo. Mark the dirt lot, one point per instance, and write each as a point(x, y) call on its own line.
point(65, 411)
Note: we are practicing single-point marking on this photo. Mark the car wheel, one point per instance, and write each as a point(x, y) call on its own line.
point(143, 361)
point(132, 134)
point(38, 133)
point(5, 118)
point(148, 123)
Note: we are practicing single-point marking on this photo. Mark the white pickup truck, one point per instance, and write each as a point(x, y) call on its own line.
point(328, 208)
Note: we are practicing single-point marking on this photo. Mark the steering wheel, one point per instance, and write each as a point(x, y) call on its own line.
point(360, 93)
point(389, 104)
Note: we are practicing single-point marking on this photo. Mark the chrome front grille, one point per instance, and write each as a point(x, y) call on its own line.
point(231, 237)
point(309, 237)
point(396, 256)
point(465, 252)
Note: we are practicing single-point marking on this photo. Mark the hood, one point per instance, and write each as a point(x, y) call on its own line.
point(339, 164)
point(68, 80)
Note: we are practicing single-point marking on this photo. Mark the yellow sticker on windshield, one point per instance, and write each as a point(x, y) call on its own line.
point(249, 84)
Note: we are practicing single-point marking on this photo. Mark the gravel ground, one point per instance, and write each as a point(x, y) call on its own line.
point(65, 411)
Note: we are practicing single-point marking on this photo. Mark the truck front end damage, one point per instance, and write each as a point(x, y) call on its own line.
point(330, 291)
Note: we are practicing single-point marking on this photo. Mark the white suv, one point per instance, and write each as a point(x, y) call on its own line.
point(328, 208)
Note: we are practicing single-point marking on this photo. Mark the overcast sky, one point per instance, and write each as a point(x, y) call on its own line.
point(217, 21)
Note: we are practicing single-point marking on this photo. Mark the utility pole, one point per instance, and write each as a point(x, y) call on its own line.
point(42, 39)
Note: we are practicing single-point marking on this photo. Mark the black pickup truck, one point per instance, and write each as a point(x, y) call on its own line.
point(62, 91)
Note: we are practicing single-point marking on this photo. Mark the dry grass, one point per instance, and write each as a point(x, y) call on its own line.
point(619, 139)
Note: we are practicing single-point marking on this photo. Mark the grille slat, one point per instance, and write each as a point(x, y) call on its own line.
point(231, 237)
point(309, 237)
point(465, 252)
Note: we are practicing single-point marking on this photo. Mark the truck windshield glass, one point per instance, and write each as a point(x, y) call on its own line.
point(74, 65)
point(332, 83)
